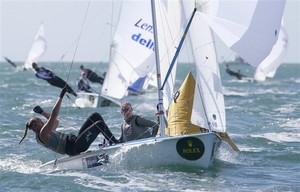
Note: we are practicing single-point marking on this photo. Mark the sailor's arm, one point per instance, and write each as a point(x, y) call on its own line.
point(39, 110)
point(55, 110)
point(147, 123)
point(51, 124)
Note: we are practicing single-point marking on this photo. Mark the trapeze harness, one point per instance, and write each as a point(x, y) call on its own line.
point(136, 127)
point(56, 143)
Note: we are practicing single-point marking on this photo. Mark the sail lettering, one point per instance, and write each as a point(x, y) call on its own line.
point(144, 26)
point(139, 38)
point(147, 43)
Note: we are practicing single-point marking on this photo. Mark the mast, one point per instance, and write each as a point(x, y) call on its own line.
point(160, 108)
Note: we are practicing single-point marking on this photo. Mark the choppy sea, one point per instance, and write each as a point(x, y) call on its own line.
point(263, 119)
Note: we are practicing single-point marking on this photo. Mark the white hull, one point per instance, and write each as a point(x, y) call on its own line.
point(94, 100)
point(189, 150)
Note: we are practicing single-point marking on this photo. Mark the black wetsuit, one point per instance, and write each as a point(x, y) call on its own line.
point(233, 73)
point(52, 79)
point(87, 134)
point(93, 77)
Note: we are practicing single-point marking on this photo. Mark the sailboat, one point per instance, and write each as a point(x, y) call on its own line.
point(195, 114)
point(269, 66)
point(38, 48)
point(131, 60)
point(132, 51)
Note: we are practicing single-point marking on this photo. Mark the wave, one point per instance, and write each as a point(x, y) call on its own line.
point(280, 137)
point(17, 163)
point(292, 123)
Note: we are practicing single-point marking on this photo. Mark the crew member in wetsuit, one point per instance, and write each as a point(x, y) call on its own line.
point(238, 74)
point(83, 84)
point(51, 78)
point(135, 127)
point(62, 143)
point(91, 75)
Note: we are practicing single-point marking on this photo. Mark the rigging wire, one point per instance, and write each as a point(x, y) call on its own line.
point(75, 52)
point(82, 26)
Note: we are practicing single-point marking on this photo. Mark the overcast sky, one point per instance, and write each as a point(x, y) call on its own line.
point(63, 23)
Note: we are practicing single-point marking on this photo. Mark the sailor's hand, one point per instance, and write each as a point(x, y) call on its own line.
point(63, 91)
point(38, 109)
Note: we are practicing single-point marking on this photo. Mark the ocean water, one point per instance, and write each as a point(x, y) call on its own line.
point(263, 119)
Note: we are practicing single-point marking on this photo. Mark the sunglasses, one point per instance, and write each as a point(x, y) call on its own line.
point(125, 110)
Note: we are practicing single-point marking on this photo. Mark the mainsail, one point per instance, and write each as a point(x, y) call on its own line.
point(38, 48)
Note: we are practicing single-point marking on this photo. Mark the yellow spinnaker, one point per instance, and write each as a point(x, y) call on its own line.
point(180, 110)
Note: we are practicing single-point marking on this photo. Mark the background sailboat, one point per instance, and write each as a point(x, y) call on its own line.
point(38, 48)
point(132, 49)
point(269, 66)
point(131, 59)
point(203, 103)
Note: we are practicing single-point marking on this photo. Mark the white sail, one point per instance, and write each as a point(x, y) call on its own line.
point(250, 28)
point(38, 48)
point(132, 49)
point(269, 66)
point(208, 111)
point(169, 26)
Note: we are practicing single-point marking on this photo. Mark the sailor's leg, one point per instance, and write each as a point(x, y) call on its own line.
point(85, 139)
point(89, 121)
point(59, 82)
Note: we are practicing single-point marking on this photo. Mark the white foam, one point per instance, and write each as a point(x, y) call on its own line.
point(227, 154)
point(280, 137)
point(288, 108)
point(235, 93)
point(19, 164)
point(292, 123)
point(109, 181)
